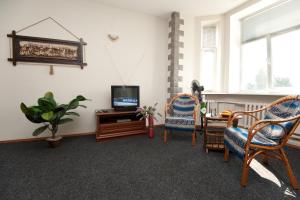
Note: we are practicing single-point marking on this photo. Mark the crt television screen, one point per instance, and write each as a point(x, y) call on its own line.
point(125, 96)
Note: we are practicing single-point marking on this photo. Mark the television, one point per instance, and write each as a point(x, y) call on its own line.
point(125, 97)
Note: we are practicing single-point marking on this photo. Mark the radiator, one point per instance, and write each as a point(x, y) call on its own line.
point(248, 121)
point(216, 107)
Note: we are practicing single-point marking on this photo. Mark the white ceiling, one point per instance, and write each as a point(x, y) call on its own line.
point(164, 7)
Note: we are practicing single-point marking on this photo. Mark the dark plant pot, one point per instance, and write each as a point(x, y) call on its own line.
point(54, 142)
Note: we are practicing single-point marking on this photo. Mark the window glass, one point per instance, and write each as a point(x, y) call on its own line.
point(277, 18)
point(209, 36)
point(209, 72)
point(286, 61)
point(254, 74)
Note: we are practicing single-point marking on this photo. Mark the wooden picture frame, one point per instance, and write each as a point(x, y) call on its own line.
point(46, 50)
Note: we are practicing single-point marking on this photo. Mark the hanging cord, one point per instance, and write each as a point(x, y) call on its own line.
point(49, 18)
point(137, 66)
point(114, 64)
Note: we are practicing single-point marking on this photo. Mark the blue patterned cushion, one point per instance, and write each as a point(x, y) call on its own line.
point(182, 123)
point(235, 139)
point(281, 111)
point(183, 106)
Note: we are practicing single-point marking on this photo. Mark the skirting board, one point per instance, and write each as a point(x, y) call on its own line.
point(63, 135)
point(43, 138)
point(93, 133)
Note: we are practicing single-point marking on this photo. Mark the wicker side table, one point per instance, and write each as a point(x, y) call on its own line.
point(214, 132)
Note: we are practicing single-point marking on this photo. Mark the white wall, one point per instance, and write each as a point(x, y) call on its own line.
point(139, 57)
point(192, 48)
point(190, 58)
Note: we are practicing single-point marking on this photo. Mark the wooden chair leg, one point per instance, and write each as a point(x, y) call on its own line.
point(245, 173)
point(265, 160)
point(226, 153)
point(289, 170)
point(194, 138)
point(165, 135)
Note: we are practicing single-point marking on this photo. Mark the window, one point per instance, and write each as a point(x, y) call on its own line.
point(285, 61)
point(209, 57)
point(254, 71)
point(270, 50)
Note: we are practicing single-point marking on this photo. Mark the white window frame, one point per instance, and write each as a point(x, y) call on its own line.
point(215, 49)
point(268, 37)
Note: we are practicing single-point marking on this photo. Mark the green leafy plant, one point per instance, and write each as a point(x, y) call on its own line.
point(148, 111)
point(50, 113)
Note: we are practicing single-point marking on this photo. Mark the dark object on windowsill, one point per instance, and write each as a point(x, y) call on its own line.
point(197, 89)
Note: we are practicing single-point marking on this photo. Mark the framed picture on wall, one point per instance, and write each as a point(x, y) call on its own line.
point(46, 50)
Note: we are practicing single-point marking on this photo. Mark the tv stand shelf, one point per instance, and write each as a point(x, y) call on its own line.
point(118, 123)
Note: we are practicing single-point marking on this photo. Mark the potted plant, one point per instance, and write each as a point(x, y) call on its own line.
point(148, 113)
point(51, 114)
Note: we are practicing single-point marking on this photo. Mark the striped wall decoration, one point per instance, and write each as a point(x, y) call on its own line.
point(175, 56)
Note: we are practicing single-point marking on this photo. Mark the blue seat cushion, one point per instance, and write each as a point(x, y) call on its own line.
point(180, 123)
point(236, 138)
point(277, 112)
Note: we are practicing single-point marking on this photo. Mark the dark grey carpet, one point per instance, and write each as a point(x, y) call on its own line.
point(133, 168)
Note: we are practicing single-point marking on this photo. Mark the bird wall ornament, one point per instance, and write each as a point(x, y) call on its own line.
point(113, 37)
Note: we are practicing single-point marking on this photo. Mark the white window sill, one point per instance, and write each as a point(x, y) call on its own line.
point(245, 94)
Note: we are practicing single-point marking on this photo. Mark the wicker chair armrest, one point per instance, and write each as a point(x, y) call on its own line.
point(258, 125)
point(238, 114)
point(167, 109)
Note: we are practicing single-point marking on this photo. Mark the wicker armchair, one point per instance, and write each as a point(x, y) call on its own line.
point(181, 114)
point(266, 137)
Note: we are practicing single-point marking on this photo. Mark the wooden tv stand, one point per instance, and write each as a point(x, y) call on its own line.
point(118, 123)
